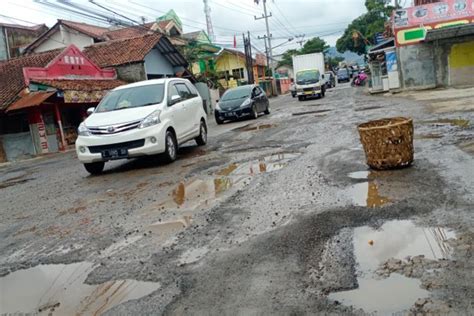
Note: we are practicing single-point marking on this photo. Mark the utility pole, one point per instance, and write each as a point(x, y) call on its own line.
point(210, 29)
point(264, 37)
point(268, 37)
point(248, 58)
point(301, 41)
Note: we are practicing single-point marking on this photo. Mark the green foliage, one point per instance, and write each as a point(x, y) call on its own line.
point(333, 62)
point(360, 33)
point(314, 45)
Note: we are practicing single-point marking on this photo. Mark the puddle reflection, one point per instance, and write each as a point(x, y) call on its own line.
point(60, 290)
point(367, 194)
point(395, 239)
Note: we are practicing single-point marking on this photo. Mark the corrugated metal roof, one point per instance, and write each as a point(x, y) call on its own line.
point(30, 99)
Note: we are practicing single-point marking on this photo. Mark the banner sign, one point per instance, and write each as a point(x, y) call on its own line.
point(411, 24)
point(391, 61)
point(73, 96)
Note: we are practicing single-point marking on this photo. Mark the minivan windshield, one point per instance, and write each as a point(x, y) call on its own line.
point(132, 98)
point(307, 76)
point(237, 93)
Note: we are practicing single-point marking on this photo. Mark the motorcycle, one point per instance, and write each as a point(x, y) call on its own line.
point(359, 80)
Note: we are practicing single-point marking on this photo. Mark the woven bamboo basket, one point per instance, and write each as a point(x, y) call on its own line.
point(388, 142)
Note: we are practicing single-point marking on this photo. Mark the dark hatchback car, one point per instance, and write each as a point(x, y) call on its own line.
point(343, 75)
point(243, 101)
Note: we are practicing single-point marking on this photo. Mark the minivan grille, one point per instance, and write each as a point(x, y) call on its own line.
point(113, 129)
point(126, 145)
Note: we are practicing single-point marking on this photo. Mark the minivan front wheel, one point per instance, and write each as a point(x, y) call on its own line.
point(201, 140)
point(171, 150)
point(254, 113)
point(95, 168)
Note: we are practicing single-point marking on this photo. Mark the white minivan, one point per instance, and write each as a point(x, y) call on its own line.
point(143, 118)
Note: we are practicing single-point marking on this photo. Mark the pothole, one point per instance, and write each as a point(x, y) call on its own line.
point(310, 112)
point(367, 108)
point(428, 136)
point(367, 194)
point(373, 248)
point(453, 122)
point(198, 192)
point(60, 290)
point(252, 127)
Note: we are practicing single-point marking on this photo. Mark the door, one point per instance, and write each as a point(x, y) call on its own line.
point(187, 108)
point(261, 99)
point(176, 112)
point(196, 105)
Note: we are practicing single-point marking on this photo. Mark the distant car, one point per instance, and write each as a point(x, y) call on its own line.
point(293, 89)
point(330, 79)
point(243, 101)
point(343, 75)
point(140, 119)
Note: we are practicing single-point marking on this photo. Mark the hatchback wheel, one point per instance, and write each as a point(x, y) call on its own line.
point(95, 168)
point(267, 111)
point(171, 150)
point(201, 140)
point(254, 112)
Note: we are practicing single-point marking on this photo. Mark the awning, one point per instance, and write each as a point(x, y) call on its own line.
point(449, 32)
point(29, 100)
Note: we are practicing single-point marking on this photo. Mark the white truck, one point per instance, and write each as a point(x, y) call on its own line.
point(309, 75)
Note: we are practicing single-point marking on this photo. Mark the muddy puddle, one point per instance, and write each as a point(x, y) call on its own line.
point(428, 136)
point(398, 239)
point(310, 112)
point(367, 194)
point(367, 108)
point(462, 123)
point(60, 290)
point(205, 192)
point(13, 179)
point(251, 127)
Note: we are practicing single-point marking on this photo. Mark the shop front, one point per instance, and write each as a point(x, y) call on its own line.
point(57, 97)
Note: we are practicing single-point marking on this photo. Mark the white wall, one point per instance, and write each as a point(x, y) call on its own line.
point(157, 64)
point(64, 38)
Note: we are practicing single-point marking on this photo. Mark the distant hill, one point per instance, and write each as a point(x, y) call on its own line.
point(348, 56)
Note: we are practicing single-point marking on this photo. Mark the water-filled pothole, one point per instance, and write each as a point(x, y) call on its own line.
point(60, 290)
point(395, 239)
point(251, 127)
point(453, 122)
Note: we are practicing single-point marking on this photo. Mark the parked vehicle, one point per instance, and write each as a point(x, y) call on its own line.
point(243, 101)
point(359, 80)
point(139, 119)
point(330, 79)
point(293, 89)
point(343, 75)
point(309, 80)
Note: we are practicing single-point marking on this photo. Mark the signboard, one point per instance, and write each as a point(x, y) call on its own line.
point(411, 24)
point(74, 96)
point(391, 61)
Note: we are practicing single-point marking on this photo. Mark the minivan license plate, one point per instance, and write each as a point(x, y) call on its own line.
point(115, 153)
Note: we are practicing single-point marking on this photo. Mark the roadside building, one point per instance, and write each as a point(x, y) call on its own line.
point(435, 44)
point(14, 38)
point(140, 58)
point(45, 96)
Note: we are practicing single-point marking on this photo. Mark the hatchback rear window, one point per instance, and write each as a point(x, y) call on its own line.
point(132, 98)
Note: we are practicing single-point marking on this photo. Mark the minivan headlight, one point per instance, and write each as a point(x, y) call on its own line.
point(150, 120)
point(246, 103)
point(218, 107)
point(82, 130)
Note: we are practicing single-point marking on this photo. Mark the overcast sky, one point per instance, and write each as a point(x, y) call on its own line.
point(324, 18)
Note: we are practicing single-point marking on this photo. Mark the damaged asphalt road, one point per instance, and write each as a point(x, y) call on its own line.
point(275, 215)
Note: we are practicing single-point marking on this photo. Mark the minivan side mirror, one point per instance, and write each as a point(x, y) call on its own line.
point(90, 111)
point(217, 100)
point(322, 76)
point(175, 99)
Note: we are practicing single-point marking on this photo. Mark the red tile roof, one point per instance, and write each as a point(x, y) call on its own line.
point(91, 30)
point(128, 32)
point(30, 99)
point(123, 51)
point(11, 74)
point(82, 84)
point(37, 27)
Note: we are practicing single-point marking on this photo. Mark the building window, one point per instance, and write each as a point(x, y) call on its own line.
point(238, 73)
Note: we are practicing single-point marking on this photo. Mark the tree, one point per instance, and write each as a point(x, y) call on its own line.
point(333, 62)
point(287, 57)
point(361, 32)
point(314, 45)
